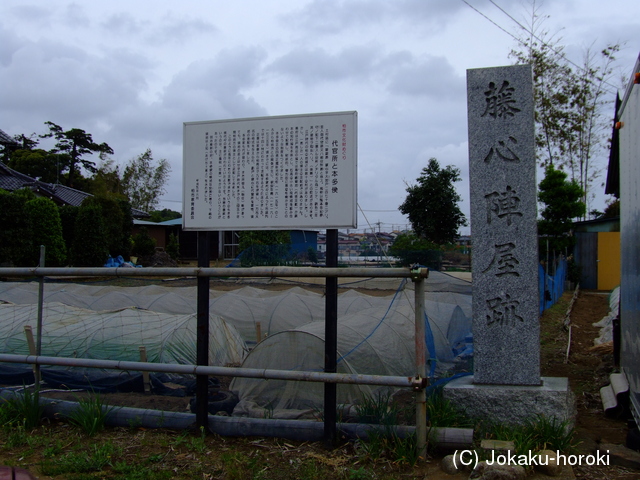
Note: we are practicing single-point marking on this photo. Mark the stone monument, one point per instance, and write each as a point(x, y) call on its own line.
point(506, 383)
point(502, 169)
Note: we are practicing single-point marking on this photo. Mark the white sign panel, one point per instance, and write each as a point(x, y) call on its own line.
point(285, 172)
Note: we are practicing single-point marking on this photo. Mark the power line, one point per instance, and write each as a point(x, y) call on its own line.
point(530, 32)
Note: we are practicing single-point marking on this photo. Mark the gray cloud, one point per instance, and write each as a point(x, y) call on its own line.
point(339, 16)
point(428, 76)
point(316, 65)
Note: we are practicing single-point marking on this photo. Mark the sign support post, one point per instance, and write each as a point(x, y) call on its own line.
point(331, 339)
point(202, 328)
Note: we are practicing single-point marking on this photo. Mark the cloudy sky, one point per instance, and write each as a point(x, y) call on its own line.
point(131, 72)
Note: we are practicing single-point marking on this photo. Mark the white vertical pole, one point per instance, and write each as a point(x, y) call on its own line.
point(39, 325)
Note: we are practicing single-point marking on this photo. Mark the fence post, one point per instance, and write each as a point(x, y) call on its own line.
point(421, 367)
point(39, 324)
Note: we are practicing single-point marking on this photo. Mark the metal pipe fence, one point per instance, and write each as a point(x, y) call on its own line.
point(418, 383)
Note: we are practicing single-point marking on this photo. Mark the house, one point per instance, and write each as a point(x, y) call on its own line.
point(11, 180)
point(597, 251)
point(223, 245)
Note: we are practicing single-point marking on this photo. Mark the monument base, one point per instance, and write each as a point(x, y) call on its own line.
point(513, 404)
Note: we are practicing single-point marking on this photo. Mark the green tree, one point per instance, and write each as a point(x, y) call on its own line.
point(432, 204)
point(410, 249)
point(90, 245)
point(163, 215)
point(118, 222)
point(143, 183)
point(264, 247)
point(36, 163)
point(106, 182)
point(76, 144)
point(562, 199)
point(571, 114)
point(46, 229)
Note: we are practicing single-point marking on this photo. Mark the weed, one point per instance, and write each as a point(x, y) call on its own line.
point(359, 474)
point(138, 472)
point(181, 439)
point(135, 422)
point(442, 413)
point(17, 437)
point(536, 434)
point(386, 444)
point(90, 414)
point(52, 451)
point(198, 443)
point(23, 409)
point(234, 465)
point(94, 460)
point(378, 410)
point(552, 434)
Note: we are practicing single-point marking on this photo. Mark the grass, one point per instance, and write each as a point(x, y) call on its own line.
point(94, 459)
point(384, 443)
point(90, 414)
point(537, 434)
point(378, 410)
point(442, 413)
point(23, 409)
point(55, 450)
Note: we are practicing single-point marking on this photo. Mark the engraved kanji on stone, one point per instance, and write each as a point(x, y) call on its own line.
point(500, 101)
point(503, 311)
point(503, 151)
point(503, 204)
point(504, 261)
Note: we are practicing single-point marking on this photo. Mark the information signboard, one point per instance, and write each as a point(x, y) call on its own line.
point(281, 173)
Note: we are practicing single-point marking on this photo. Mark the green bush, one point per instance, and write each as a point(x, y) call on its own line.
point(143, 244)
point(15, 229)
point(68, 215)
point(46, 229)
point(90, 242)
point(411, 250)
point(173, 247)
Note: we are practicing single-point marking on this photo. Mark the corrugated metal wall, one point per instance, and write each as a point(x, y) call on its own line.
point(629, 114)
point(586, 255)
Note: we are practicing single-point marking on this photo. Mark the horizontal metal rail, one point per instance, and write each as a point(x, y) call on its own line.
point(267, 272)
point(324, 377)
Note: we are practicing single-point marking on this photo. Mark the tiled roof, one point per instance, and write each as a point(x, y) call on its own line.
point(11, 180)
point(6, 139)
point(68, 195)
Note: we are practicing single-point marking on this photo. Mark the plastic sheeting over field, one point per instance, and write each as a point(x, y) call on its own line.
point(375, 332)
point(375, 341)
point(243, 308)
point(69, 331)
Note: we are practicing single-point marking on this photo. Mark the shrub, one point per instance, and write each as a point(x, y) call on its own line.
point(89, 243)
point(173, 247)
point(46, 229)
point(143, 244)
point(15, 228)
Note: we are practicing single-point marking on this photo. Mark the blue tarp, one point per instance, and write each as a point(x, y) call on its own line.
point(119, 262)
point(551, 287)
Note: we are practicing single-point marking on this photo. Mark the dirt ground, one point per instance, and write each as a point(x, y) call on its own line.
point(587, 369)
